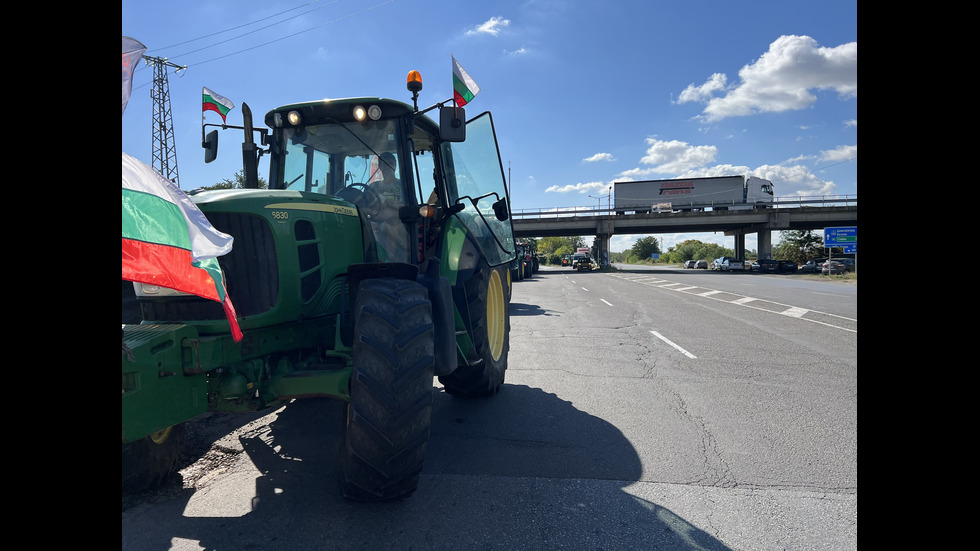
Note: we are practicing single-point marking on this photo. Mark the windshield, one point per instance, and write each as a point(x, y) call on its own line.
point(358, 162)
point(327, 158)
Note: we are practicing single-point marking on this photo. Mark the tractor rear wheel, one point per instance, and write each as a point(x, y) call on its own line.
point(490, 323)
point(390, 409)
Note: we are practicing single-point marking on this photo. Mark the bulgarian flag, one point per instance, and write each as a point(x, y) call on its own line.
point(217, 103)
point(132, 53)
point(167, 241)
point(464, 88)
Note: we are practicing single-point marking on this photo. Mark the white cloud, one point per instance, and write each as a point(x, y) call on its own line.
point(599, 157)
point(675, 157)
point(784, 78)
point(580, 187)
point(840, 153)
point(492, 26)
point(715, 83)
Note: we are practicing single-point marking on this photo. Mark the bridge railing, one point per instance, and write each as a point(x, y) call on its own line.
point(778, 202)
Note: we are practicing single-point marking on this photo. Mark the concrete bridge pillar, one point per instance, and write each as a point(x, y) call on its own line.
point(604, 232)
point(602, 254)
point(765, 244)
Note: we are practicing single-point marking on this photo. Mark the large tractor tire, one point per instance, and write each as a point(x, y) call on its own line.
point(390, 409)
point(505, 278)
point(148, 462)
point(490, 320)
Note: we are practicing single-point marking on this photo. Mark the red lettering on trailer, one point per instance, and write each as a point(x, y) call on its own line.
point(676, 188)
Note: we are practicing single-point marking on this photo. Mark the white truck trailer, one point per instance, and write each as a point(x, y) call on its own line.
point(687, 194)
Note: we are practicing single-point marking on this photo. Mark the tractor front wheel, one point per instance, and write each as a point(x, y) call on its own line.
point(490, 323)
point(389, 413)
point(147, 462)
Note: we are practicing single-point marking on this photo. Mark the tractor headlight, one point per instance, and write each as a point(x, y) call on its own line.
point(145, 290)
point(360, 113)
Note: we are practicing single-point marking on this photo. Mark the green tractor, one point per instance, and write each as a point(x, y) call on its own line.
point(376, 260)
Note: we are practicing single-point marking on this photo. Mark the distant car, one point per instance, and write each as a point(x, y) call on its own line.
point(701, 265)
point(716, 263)
point(786, 266)
point(832, 267)
point(765, 265)
point(813, 266)
point(731, 264)
point(582, 261)
point(689, 265)
point(848, 264)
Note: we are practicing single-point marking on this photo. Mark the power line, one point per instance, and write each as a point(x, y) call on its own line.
point(240, 26)
point(184, 54)
point(293, 34)
point(252, 31)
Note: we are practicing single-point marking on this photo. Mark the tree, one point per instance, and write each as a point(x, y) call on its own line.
point(799, 246)
point(553, 248)
point(237, 183)
point(645, 247)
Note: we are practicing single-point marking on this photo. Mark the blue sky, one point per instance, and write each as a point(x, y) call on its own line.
point(583, 93)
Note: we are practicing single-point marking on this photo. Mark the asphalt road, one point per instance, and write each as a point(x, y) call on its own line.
point(644, 409)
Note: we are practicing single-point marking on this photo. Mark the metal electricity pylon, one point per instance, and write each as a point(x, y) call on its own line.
point(164, 149)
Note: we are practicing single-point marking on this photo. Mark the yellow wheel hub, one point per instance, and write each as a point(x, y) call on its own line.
point(160, 436)
point(495, 315)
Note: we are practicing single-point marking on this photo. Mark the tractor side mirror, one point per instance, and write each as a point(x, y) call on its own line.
point(452, 124)
point(500, 209)
point(210, 146)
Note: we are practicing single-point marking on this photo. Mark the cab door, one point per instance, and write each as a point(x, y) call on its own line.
point(476, 180)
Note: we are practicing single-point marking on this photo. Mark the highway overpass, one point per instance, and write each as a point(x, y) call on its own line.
point(603, 223)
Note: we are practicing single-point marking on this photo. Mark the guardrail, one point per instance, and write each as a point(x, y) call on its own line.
point(778, 202)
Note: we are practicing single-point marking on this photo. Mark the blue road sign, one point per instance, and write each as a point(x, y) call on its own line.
point(840, 236)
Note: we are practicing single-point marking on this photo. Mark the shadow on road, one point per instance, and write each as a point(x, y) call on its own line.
point(521, 309)
point(522, 470)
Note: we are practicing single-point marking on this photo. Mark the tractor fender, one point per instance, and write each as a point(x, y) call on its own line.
point(443, 321)
point(356, 273)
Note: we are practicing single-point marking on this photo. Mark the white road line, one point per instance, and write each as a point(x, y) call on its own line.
point(606, 301)
point(584, 289)
point(666, 340)
point(795, 312)
point(803, 314)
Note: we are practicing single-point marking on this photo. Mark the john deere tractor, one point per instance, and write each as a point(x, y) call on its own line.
point(375, 261)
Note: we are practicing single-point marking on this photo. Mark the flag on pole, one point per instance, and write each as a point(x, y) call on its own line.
point(464, 87)
point(132, 53)
point(167, 241)
point(217, 103)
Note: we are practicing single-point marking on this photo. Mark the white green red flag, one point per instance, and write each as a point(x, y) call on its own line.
point(464, 87)
point(132, 53)
point(167, 241)
point(217, 103)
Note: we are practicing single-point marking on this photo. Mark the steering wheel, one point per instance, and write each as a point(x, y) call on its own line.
point(364, 196)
